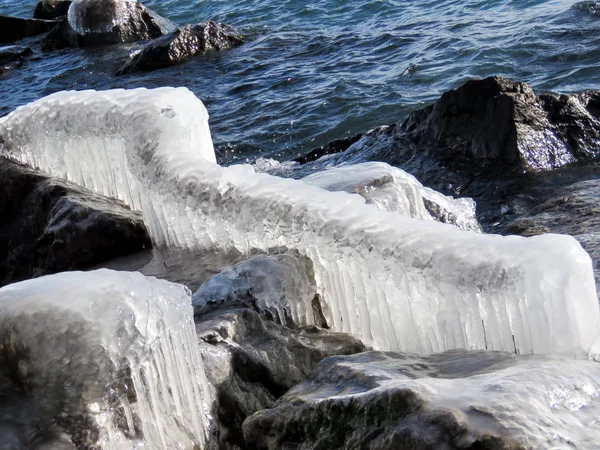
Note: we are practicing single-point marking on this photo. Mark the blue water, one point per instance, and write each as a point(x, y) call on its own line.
point(313, 71)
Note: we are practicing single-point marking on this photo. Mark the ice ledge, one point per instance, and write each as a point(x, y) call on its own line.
point(395, 282)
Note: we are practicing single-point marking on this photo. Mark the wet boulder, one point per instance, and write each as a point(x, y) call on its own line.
point(13, 29)
point(252, 361)
point(181, 45)
point(51, 9)
point(104, 22)
point(496, 120)
point(453, 400)
point(49, 225)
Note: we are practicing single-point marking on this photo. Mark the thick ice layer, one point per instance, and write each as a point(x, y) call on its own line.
point(109, 356)
point(394, 190)
point(396, 282)
point(98, 16)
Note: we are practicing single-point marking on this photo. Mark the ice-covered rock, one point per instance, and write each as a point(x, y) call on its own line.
point(103, 22)
point(395, 190)
point(393, 281)
point(282, 287)
point(108, 357)
point(453, 400)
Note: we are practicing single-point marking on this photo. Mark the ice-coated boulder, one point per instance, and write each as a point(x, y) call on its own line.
point(395, 282)
point(109, 358)
point(453, 400)
point(103, 22)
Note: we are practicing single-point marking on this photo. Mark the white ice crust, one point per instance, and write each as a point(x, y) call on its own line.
point(395, 190)
point(83, 332)
point(396, 282)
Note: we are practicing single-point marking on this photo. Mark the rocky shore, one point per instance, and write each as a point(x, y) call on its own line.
point(489, 156)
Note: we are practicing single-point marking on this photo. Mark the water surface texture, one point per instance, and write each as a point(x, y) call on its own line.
point(313, 71)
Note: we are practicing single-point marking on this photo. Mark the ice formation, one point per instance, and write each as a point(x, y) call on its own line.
point(109, 356)
point(396, 282)
point(98, 16)
point(395, 190)
point(282, 285)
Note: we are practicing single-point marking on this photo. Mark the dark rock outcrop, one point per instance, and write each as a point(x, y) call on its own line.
point(498, 120)
point(592, 7)
point(104, 22)
point(491, 123)
point(13, 29)
point(182, 45)
point(48, 226)
point(492, 140)
point(250, 357)
point(251, 362)
point(51, 9)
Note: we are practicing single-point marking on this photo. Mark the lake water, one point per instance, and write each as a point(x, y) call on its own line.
point(314, 71)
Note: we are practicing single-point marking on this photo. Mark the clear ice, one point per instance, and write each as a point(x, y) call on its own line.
point(282, 285)
point(110, 356)
point(393, 281)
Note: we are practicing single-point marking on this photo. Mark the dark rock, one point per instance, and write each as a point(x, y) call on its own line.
point(251, 362)
point(499, 120)
point(337, 146)
point(182, 45)
point(15, 28)
point(51, 9)
point(48, 226)
point(452, 400)
point(104, 22)
point(13, 57)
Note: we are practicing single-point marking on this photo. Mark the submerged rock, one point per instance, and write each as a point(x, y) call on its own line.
point(103, 22)
point(51, 9)
point(49, 225)
point(15, 28)
point(251, 362)
point(12, 57)
point(454, 400)
point(182, 45)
